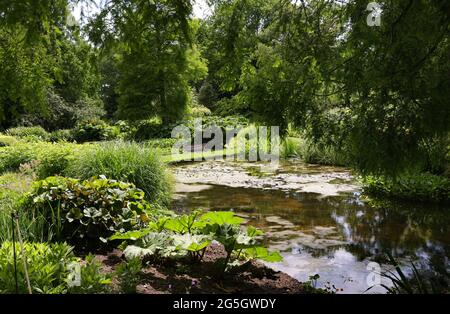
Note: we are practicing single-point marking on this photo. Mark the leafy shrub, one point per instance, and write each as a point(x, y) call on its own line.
point(92, 280)
point(49, 159)
point(94, 130)
point(34, 132)
point(87, 213)
point(150, 129)
point(61, 136)
point(6, 140)
point(12, 187)
point(418, 187)
point(63, 114)
point(11, 157)
point(47, 267)
point(154, 129)
point(128, 162)
point(198, 111)
point(88, 109)
point(436, 152)
point(54, 159)
point(191, 234)
point(164, 145)
point(128, 275)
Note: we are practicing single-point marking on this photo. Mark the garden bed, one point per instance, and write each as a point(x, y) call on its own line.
point(182, 277)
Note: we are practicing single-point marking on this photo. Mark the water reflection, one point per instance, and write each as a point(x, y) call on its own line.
point(333, 236)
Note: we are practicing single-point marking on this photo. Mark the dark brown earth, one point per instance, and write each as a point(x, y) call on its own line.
point(183, 276)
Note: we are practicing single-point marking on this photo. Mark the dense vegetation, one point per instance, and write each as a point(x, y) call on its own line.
point(375, 99)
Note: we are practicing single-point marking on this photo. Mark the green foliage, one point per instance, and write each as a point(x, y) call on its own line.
point(6, 140)
point(324, 154)
point(376, 93)
point(290, 147)
point(415, 187)
point(128, 274)
point(94, 130)
point(24, 77)
point(87, 213)
point(11, 157)
point(156, 60)
point(61, 136)
point(192, 234)
point(164, 145)
point(419, 282)
point(47, 266)
point(46, 159)
point(36, 133)
point(127, 162)
point(92, 280)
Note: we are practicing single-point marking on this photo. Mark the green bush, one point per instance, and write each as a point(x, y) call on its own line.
point(7, 140)
point(164, 145)
point(178, 236)
point(11, 157)
point(128, 274)
point(51, 270)
point(47, 266)
point(48, 159)
point(53, 159)
point(62, 136)
point(154, 129)
point(87, 213)
point(95, 130)
point(150, 129)
point(128, 162)
point(418, 187)
point(34, 133)
point(321, 154)
point(92, 280)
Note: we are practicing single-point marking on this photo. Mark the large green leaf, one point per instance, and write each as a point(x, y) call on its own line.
point(264, 254)
point(221, 218)
point(191, 242)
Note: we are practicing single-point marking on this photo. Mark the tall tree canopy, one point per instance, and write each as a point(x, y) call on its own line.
point(378, 93)
point(157, 56)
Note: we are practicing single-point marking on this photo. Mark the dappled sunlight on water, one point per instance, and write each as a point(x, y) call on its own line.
point(333, 232)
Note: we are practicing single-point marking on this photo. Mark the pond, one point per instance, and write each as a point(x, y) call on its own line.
point(318, 219)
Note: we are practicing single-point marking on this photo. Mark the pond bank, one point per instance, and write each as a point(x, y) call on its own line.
point(184, 277)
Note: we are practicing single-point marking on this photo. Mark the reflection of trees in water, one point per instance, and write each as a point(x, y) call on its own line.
point(403, 230)
point(371, 229)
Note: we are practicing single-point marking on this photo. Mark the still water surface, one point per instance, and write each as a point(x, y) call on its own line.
point(316, 217)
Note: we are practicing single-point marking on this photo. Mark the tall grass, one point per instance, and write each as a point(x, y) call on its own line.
point(419, 282)
point(32, 228)
point(291, 147)
point(128, 162)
